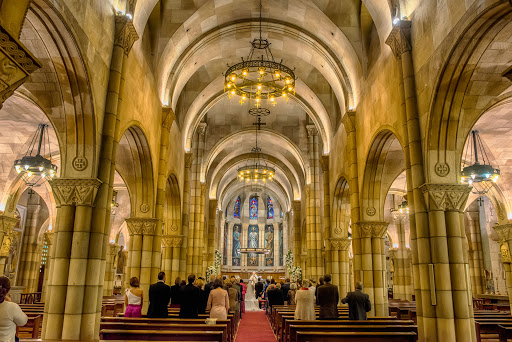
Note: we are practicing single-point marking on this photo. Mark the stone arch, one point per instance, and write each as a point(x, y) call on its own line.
point(172, 209)
point(384, 162)
point(460, 97)
point(340, 208)
point(135, 166)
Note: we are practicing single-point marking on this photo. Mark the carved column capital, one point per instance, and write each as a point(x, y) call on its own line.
point(341, 244)
point(393, 253)
point(49, 237)
point(399, 38)
point(16, 64)
point(113, 248)
point(125, 34)
point(324, 162)
point(445, 196)
point(311, 130)
point(7, 224)
point(504, 232)
point(349, 121)
point(141, 225)
point(373, 229)
point(201, 128)
point(204, 187)
point(189, 159)
point(172, 240)
point(168, 118)
point(75, 191)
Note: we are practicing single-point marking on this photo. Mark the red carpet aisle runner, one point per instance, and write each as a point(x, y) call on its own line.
point(255, 327)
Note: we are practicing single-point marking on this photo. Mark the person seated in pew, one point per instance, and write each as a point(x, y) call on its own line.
point(305, 299)
point(175, 293)
point(358, 303)
point(11, 314)
point(327, 297)
point(159, 297)
point(291, 294)
point(190, 299)
point(133, 299)
point(218, 301)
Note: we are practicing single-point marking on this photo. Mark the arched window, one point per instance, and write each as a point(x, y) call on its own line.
point(253, 208)
point(236, 210)
point(270, 208)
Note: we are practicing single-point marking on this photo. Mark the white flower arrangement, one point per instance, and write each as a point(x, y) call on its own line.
point(296, 274)
point(290, 262)
point(217, 259)
point(211, 270)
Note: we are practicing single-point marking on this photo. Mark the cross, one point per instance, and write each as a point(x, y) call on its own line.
point(259, 123)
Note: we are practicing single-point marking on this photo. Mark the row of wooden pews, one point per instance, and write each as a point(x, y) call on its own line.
point(493, 325)
point(376, 329)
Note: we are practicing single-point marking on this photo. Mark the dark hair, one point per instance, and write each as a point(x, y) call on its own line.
point(183, 283)
point(287, 280)
point(191, 278)
point(321, 280)
point(272, 281)
point(217, 283)
point(161, 275)
point(5, 286)
point(177, 281)
point(241, 281)
point(327, 278)
point(268, 281)
point(134, 282)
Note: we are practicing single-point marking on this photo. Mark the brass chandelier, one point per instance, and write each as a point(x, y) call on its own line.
point(477, 166)
point(259, 79)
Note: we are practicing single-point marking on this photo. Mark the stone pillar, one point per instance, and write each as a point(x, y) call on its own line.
point(324, 162)
point(374, 264)
point(350, 128)
point(142, 231)
point(340, 264)
point(67, 314)
point(401, 261)
point(185, 218)
point(212, 219)
point(48, 237)
point(171, 251)
point(504, 232)
point(168, 118)
point(297, 226)
point(447, 306)
point(476, 254)
point(314, 241)
point(7, 224)
point(108, 283)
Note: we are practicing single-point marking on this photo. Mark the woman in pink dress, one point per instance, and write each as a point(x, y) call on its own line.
point(218, 301)
point(244, 290)
point(133, 299)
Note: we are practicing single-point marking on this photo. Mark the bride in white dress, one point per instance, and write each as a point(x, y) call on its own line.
point(251, 303)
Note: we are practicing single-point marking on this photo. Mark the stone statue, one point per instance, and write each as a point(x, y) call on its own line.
point(119, 261)
point(391, 266)
point(505, 253)
point(236, 243)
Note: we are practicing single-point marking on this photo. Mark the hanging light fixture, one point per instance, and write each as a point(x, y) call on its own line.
point(258, 79)
point(34, 169)
point(477, 166)
point(257, 172)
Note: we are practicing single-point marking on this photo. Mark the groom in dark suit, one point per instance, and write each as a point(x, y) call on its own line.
point(159, 296)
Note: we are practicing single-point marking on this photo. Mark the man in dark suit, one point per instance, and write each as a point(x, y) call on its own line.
point(328, 298)
point(159, 296)
point(258, 288)
point(358, 303)
point(190, 299)
point(275, 296)
point(285, 288)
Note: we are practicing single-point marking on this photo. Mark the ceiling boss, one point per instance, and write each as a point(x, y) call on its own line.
point(259, 79)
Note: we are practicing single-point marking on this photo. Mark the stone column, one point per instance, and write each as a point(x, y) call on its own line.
point(185, 218)
point(7, 224)
point(171, 256)
point(476, 257)
point(449, 312)
point(67, 314)
point(401, 261)
point(314, 241)
point(297, 242)
point(374, 264)
point(350, 128)
point(324, 162)
point(48, 237)
point(108, 283)
point(212, 219)
point(340, 264)
point(504, 232)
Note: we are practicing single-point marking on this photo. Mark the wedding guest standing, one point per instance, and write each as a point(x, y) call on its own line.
point(358, 303)
point(190, 299)
point(10, 313)
point(233, 296)
point(305, 299)
point(327, 297)
point(218, 301)
point(133, 299)
point(203, 297)
point(244, 290)
point(258, 288)
point(291, 294)
point(159, 296)
point(175, 293)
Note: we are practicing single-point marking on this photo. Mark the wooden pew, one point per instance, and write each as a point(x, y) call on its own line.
point(294, 329)
point(505, 332)
point(152, 335)
point(32, 328)
point(305, 336)
point(488, 326)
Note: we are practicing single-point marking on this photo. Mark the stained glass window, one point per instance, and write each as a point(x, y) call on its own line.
point(44, 256)
point(253, 208)
point(270, 208)
point(236, 211)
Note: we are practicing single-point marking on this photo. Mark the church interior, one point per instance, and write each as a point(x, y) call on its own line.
point(364, 139)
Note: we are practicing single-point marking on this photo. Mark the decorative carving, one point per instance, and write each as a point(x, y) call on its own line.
point(398, 39)
point(370, 211)
point(141, 226)
point(7, 224)
point(80, 163)
point(372, 229)
point(393, 253)
point(6, 245)
point(349, 121)
point(324, 162)
point(312, 130)
point(505, 253)
point(201, 128)
point(189, 158)
point(504, 232)
point(168, 118)
point(49, 237)
point(16, 64)
point(144, 207)
point(442, 169)
point(125, 33)
point(172, 240)
point(174, 228)
point(342, 244)
point(445, 196)
point(75, 191)
point(337, 231)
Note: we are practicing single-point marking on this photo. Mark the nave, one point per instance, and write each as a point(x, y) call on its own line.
point(366, 140)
